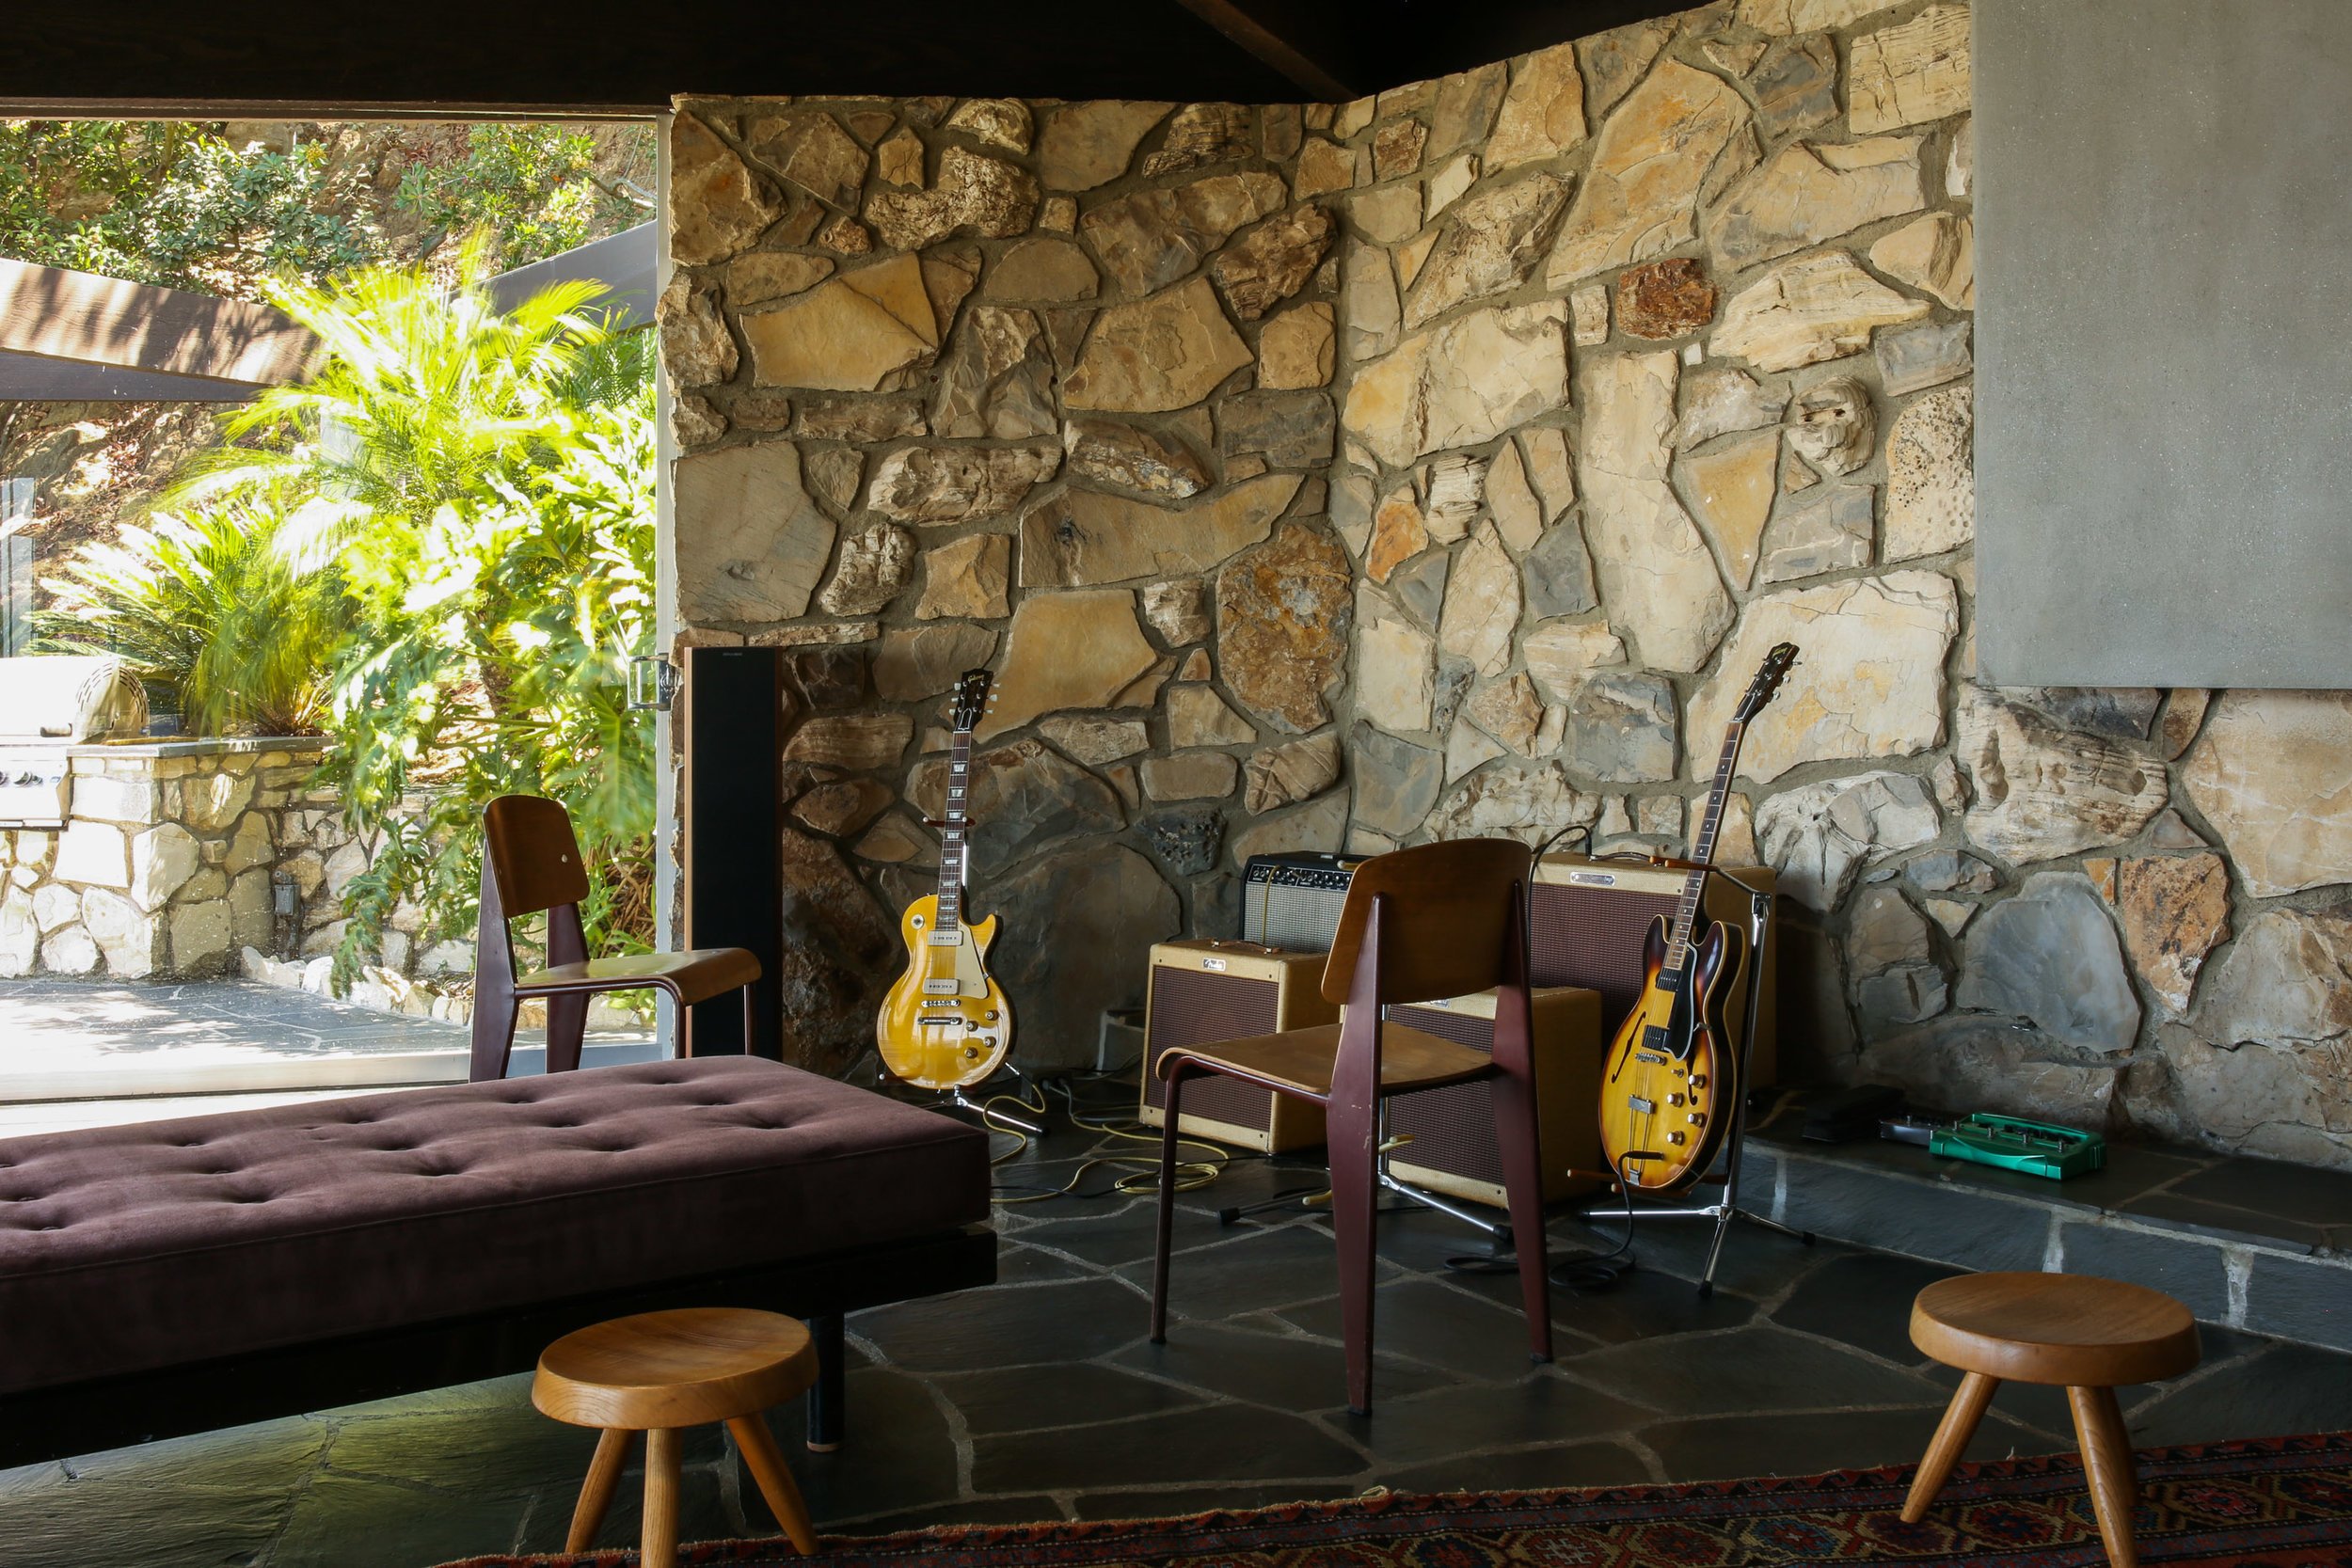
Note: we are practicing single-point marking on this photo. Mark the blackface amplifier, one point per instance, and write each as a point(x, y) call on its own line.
point(1586, 921)
point(1292, 901)
point(1202, 993)
point(1453, 1129)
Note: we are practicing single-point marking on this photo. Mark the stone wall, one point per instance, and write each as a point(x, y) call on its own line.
point(1442, 465)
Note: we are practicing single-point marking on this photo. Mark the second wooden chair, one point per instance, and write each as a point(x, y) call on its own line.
point(1441, 920)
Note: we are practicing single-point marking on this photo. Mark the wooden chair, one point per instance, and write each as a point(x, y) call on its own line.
point(2086, 1333)
point(1438, 921)
point(660, 1373)
point(530, 863)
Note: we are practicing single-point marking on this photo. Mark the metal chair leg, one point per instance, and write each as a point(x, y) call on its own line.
point(1354, 1195)
point(1166, 1232)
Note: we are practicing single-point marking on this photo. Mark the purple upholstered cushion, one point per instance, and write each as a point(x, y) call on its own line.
point(125, 1248)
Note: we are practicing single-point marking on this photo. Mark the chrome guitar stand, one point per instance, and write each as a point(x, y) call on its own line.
point(956, 1100)
point(1725, 1209)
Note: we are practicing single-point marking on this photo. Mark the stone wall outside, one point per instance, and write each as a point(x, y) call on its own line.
point(1444, 464)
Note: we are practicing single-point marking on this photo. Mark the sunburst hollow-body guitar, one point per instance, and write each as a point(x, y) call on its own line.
point(945, 1023)
point(1672, 1079)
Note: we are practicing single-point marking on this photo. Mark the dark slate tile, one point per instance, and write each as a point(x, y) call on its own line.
point(1218, 1443)
point(355, 1522)
point(1269, 1368)
point(1435, 1324)
point(1725, 1447)
point(1176, 1503)
point(1645, 1303)
point(1863, 1299)
point(1023, 1265)
point(2283, 1391)
point(1018, 1399)
point(1926, 1219)
point(709, 1509)
point(1760, 1368)
point(899, 1454)
point(1108, 1236)
point(1527, 1469)
point(2224, 1222)
point(2298, 1300)
point(1467, 1418)
point(1251, 1270)
point(140, 1509)
point(484, 1438)
point(1754, 1262)
point(1423, 1240)
point(2039, 1406)
point(972, 1330)
point(2191, 1271)
point(2273, 1187)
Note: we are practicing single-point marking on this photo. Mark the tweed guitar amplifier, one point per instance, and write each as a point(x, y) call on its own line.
point(1452, 1127)
point(1292, 901)
point(1204, 991)
point(1586, 921)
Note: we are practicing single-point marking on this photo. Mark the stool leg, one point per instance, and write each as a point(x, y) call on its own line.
point(595, 1493)
point(1961, 1416)
point(659, 1548)
point(765, 1462)
point(2107, 1461)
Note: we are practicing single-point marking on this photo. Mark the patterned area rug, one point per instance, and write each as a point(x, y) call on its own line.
point(2276, 1503)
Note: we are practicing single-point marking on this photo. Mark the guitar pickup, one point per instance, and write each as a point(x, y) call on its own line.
point(940, 987)
point(945, 939)
point(1644, 1106)
point(1656, 1039)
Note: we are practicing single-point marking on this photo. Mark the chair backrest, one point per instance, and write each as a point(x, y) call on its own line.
point(530, 851)
point(1449, 905)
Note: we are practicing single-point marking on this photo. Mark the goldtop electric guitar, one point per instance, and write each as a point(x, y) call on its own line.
point(947, 1024)
point(1671, 1081)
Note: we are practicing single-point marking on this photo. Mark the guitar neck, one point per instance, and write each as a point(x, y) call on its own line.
point(1703, 848)
point(952, 837)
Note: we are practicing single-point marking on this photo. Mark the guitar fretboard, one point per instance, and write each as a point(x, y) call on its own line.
point(1703, 849)
point(951, 837)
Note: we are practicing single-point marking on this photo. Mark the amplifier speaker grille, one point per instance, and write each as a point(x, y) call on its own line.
point(1453, 1129)
point(1192, 1008)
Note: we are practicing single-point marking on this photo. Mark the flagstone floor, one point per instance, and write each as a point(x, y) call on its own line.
point(1041, 1398)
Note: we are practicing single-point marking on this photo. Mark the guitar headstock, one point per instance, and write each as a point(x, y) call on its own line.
point(1768, 675)
point(972, 699)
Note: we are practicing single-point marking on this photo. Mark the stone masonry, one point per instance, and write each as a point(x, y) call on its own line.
point(1444, 464)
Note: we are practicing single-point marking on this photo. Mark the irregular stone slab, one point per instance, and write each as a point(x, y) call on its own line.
point(2184, 716)
point(1938, 254)
point(1951, 871)
point(1640, 198)
point(1109, 452)
point(998, 379)
point(717, 206)
point(1177, 611)
point(1509, 710)
point(899, 160)
point(2120, 713)
point(916, 662)
point(1909, 73)
point(1204, 134)
point(864, 419)
point(1529, 802)
point(1885, 931)
point(1615, 61)
point(1908, 994)
point(2043, 792)
point(855, 741)
point(874, 564)
point(1368, 303)
point(1186, 839)
point(1295, 349)
point(1481, 604)
point(1804, 194)
point(1543, 113)
point(1399, 533)
point(1836, 428)
point(696, 348)
point(1461, 383)
point(1319, 825)
point(1803, 311)
point(2262, 1063)
point(836, 473)
point(1397, 148)
point(1519, 516)
point(1273, 261)
point(1819, 837)
point(1323, 167)
point(1830, 534)
point(1395, 666)
point(751, 543)
point(1095, 740)
point(1973, 1062)
point(1196, 715)
point(850, 334)
point(2050, 956)
point(1457, 486)
point(1282, 612)
point(1795, 85)
point(1545, 450)
point(1090, 144)
point(1156, 354)
point(766, 274)
point(809, 148)
point(1588, 310)
point(1046, 270)
point(2174, 910)
point(998, 121)
point(1466, 106)
point(1396, 782)
point(1194, 776)
point(1491, 242)
point(1722, 399)
point(973, 194)
point(1290, 430)
point(1665, 299)
point(1561, 654)
point(1621, 727)
point(1068, 650)
point(1656, 574)
point(1731, 489)
point(1295, 770)
point(968, 576)
point(955, 484)
point(2273, 774)
point(1085, 537)
point(1154, 237)
point(1804, 16)
point(1111, 892)
point(1467, 749)
point(1930, 476)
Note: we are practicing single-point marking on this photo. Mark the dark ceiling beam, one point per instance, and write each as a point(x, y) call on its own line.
point(1319, 48)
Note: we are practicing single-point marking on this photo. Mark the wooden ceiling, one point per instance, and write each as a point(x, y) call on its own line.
point(345, 56)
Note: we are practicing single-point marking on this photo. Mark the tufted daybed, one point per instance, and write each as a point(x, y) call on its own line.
point(176, 1276)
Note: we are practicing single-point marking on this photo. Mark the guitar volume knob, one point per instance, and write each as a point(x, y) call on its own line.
point(1698, 1080)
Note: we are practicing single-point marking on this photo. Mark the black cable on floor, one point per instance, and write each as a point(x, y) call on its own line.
point(1583, 1273)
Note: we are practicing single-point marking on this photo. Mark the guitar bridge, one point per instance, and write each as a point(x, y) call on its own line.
point(1644, 1106)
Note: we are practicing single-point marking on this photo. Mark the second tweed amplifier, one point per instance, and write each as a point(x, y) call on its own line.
point(1586, 920)
point(1202, 993)
point(1292, 901)
point(1453, 1129)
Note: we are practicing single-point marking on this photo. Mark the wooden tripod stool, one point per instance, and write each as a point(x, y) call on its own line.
point(2089, 1335)
point(660, 1371)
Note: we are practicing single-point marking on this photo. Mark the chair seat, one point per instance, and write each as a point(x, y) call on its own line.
point(2070, 1329)
point(1299, 1061)
point(689, 1367)
point(694, 975)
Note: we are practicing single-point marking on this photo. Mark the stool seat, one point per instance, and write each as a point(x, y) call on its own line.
point(2071, 1330)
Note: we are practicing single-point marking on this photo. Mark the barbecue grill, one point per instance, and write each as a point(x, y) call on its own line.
point(49, 704)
